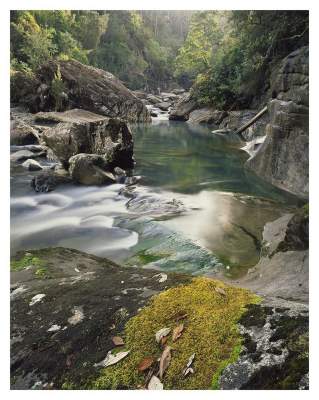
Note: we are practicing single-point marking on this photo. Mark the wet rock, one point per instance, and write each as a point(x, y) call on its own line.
point(164, 105)
point(23, 155)
point(153, 99)
point(79, 131)
point(90, 169)
point(283, 159)
point(90, 311)
point(22, 134)
point(48, 181)
point(34, 148)
point(32, 165)
point(182, 109)
point(120, 174)
point(85, 87)
point(169, 96)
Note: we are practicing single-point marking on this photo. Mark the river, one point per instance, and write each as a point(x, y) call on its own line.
point(197, 209)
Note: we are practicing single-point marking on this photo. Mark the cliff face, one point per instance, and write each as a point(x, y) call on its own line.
point(283, 158)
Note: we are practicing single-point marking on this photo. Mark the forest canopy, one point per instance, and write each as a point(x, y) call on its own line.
point(223, 56)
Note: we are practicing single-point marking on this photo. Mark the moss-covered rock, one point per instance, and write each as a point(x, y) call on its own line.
point(210, 331)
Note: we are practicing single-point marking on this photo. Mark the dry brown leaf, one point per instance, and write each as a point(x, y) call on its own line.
point(164, 361)
point(220, 291)
point(178, 316)
point(164, 340)
point(145, 364)
point(177, 332)
point(118, 341)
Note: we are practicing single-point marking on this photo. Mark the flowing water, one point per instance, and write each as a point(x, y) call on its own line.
point(196, 207)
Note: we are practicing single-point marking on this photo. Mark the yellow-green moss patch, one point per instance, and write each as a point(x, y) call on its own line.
point(210, 332)
point(26, 261)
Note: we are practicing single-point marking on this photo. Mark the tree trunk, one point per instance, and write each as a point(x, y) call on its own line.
point(250, 122)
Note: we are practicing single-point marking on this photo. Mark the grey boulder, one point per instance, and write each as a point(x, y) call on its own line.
point(90, 169)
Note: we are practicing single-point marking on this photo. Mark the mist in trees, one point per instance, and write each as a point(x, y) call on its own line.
point(223, 56)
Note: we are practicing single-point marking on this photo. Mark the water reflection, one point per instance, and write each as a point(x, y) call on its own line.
point(225, 207)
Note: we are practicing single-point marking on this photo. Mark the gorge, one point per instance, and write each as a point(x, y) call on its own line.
point(137, 210)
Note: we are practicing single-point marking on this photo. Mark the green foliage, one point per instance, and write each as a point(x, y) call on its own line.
point(39, 47)
point(38, 36)
point(57, 89)
point(133, 48)
point(204, 36)
point(227, 54)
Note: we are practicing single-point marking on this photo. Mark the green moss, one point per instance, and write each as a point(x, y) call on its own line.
point(24, 262)
point(41, 273)
point(233, 357)
point(210, 331)
point(68, 386)
point(305, 210)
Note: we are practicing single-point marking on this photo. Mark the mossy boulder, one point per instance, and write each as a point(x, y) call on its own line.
point(209, 311)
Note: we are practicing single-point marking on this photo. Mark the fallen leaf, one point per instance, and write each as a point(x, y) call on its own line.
point(220, 291)
point(35, 299)
point(188, 369)
point(155, 384)
point(164, 361)
point(164, 340)
point(190, 360)
point(178, 316)
point(54, 328)
point(111, 359)
point(161, 333)
point(145, 364)
point(177, 332)
point(162, 277)
point(118, 341)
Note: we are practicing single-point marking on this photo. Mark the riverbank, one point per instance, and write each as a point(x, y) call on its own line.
point(68, 308)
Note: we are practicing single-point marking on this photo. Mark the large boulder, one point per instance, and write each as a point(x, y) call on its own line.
point(90, 169)
point(206, 115)
point(183, 108)
point(283, 159)
point(153, 99)
point(283, 269)
point(79, 131)
point(22, 133)
point(164, 105)
point(82, 87)
point(32, 165)
point(87, 301)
